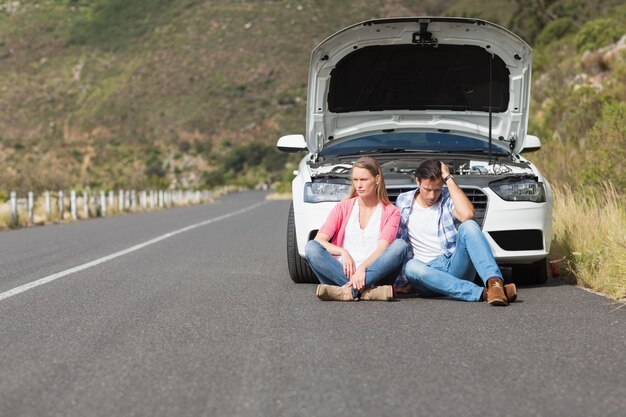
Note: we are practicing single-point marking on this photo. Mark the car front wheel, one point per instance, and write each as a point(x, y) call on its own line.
point(299, 269)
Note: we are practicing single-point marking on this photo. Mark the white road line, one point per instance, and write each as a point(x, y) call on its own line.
point(50, 278)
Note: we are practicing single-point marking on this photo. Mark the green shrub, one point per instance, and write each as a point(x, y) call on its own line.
point(556, 30)
point(213, 179)
point(598, 33)
point(184, 146)
point(154, 165)
point(606, 150)
point(253, 155)
point(77, 155)
point(201, 147)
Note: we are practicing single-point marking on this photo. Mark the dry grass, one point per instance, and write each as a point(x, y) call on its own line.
point(590, 233)
point(278, 196)
point(5, 216)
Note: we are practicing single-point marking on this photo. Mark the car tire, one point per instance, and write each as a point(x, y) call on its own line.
point(299, 269)
point(533, 274)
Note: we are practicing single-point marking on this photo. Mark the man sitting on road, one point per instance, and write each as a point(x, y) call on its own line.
point(441, 259)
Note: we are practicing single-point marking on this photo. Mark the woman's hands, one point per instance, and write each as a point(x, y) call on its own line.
point(348, 263)
point(357, 280)
point(356, 275)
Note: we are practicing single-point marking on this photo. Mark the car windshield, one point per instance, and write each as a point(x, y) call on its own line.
point(435, 142)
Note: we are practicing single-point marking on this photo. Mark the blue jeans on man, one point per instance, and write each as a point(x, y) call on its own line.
point(454, 276)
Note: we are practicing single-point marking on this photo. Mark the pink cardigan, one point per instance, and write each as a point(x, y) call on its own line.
point(335, 224)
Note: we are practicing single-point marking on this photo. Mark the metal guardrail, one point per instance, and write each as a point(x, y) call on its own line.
point(61, 206)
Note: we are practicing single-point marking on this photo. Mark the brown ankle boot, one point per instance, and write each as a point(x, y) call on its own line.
point(510, 290)
point(381, 293)
point(327, 292)
point(495, 292)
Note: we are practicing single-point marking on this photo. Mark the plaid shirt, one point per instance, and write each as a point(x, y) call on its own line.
point(446, 230)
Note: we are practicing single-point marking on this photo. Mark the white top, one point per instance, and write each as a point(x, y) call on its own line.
point(361, 243)
point(422, 227)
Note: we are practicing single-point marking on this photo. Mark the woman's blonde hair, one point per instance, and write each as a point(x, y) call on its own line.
point(373, 167)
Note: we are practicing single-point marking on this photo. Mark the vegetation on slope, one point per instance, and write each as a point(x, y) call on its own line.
point(129, 93)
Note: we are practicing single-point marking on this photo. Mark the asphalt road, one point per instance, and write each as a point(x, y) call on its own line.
point(206, 322)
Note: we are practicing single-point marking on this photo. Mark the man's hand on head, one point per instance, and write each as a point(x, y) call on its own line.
point(445, 171)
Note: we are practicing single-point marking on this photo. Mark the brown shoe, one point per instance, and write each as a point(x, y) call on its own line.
point(334, 293)
point(405, 289)
point(382, 293)
point(495, 292)
point(510, 290)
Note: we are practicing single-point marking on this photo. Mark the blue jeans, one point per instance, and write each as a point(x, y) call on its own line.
point(454, 276)
point(383, 271)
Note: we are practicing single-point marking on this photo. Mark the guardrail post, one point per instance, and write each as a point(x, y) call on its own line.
point(47, 204)
point(111, 199)
point(31, 207)
point(73, 204)
point(103, 204)
point(120, 201)
point(14, 214)
point(143, 200)
point(85, 205)
point(61, 205)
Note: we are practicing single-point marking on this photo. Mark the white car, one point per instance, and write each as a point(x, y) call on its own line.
point(408, 89)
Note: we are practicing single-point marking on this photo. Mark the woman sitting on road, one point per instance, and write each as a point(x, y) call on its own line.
point(364, 257)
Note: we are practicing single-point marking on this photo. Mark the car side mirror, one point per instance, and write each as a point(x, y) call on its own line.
point(291, 143)
point(531, 144)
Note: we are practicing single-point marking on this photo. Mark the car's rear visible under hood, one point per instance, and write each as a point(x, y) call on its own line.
point(431, 73)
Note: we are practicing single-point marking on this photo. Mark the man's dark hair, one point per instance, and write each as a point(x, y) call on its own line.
point(428, 170)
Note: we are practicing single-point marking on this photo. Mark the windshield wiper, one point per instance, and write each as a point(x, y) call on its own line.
point(482, 151)
point(395, 150)
point(376, 151)
point(388, 150)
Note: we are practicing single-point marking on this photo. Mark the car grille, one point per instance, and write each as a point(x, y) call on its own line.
point(475, 195)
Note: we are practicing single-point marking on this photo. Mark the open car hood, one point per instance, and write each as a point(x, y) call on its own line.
point(434, 73)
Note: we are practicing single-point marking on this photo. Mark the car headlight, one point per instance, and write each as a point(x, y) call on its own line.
point(526, 189)
point(323, 191)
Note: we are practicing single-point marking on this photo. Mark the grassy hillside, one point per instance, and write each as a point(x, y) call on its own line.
point(135, 93)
